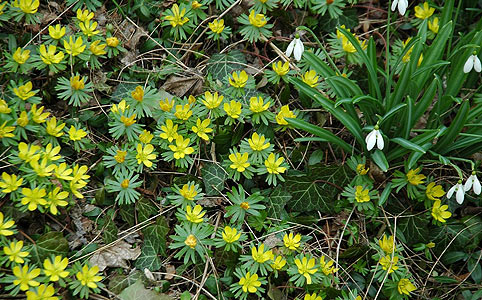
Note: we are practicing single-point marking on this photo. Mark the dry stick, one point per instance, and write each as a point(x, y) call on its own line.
point(189, 280)
point(203, 279)
point(341, 238)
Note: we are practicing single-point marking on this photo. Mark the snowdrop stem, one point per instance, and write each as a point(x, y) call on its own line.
point(332, 63)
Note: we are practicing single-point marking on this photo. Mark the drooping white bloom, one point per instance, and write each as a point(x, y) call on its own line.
point(373, 137)
point(473, 182)
point(296, 47)
point(402, 6)
point(472, 62)
point(459, 190)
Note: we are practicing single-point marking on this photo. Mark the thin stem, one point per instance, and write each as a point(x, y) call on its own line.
point(387, 48)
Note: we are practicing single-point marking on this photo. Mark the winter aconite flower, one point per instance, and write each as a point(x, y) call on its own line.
point(188, 192)
point(25, 277)
point(166, 104)
point(212, 101)
point(55, 269)
point(183, 112)
point(14, 252)
point(473, 182)
point(306, 268)
point(27, 6)
point(217, 26)
point(10, 183)
point(292, 241)
point(310, 78)
point(296, 48)
point(97, 49)
point(405, 287)
point(178, 17)
point(53, 129)
point(24, 92)
point(257, 142)
point(313, 296)
point(56, 198)
point(414, 178)
point(281, 68)
point(43, 292)
point(388, 264)
point(230, 235)
point(169, 131)
point(434, 192)
point(195, 215)
point(88, 28)
point(181, 148)
point(145, 155)
point(49, 56)
point(202, 128)
point(261, 256)
point(401, 4)
point(112, 41)
point(57, 32)
point(84, 15)
point(472, 62)
point(285, 112)
point(233, 109)
point(433, 25)
point(373, 137)
point(4, 226)
point(439, 212)
point(278, 263)
point(239, 161)
point(88, 277)
point(191, 241)
point(361, 194)
point(250, 283)
point(238, 80)
point(273, 165)
point(257, 20)
point(76, 134)
point(146, 137)
point(327, 266)
point(21, 56)
point(458, 189)
point(74, 48)
point(362, 169)
point(387, 244)
point(34, 197)
point(257, 105)
point(424, 11)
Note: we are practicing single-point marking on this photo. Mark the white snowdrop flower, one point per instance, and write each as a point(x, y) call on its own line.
point(375, 136)
point(459, 190)
point(472, 62)
point(402, 6)
point(473, 182)
point(295, 47)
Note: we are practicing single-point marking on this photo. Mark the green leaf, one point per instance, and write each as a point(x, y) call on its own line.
point(415, 229)
point(119, 282)
point(51, 243)
point(220, 65)
point(408, 145)
point(127, 213)
point(277, 201)
point(454, 256)
point(318, 189)
point(445, 279)
point(138, 291)
point(384, 196)
point(379, 158)
point(157, 233)
point(145, 209)
point(149, 258)
point(109, 233)
point(454, 129)
point(214, 177)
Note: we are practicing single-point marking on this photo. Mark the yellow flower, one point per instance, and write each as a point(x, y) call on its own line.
point(256, 104)
point(313, 296)
point(85, 15)
point(430, 245)
point(125, 183)
point(21, 56)
point(360, 169)
point(62, 172)
point(79, 173)
point(257, 20)
point(33, 197)
point(434, 192)
point(74, 48)
point(405, 287)
point(112, 41)
point(238, 80)
point(88, 28)
point(387, 244)
point(230, 235)
point(10, 183)
point(49, 56)
point(244, 205)
point(212, 100)
point(38, 116)
point(188, 192)
point(285, 112)
point(281, 68)
point(178, 18)
point(273, 165)
point(191, 241)
point(217, 26)
point(202, 129)
point(278, 263)
point(424, 12)
point(233, 109)
point(76, 134)
point(122, 106)
point(26, 152)
point(361, 194)
point(166, 105)
point(306, 268)
point(57, 32)
point(120, 156)
point(310, 78)
point(388, 264)
point(181, 149)
point(327, 267)
point(53, 129)
point(22, 120)
point(128, 121)
point(146, 137)
point(406, 57)
point(145, 155)
point(249, 283)
point(56, 198)
point(191, 99)
point(24, 91)
point(44, 292)
point(138, 93)
point(88, 277)
point(77, 82)
point(27, 6)
point(4, 109)
point(239, 161)
point(196, 5)
point(169, 131)
point(41, 169)
point(5, 226)
point(50, 152)
point(414, 178)
point(6, 131)
point(291, 241)
point(434, 25)
point(97, 49)
point(15, 253)
point(25, 278)
point(260, 256)
point(439, 212)
point(183, 112)
point(195, 215)
point(257, 143)
point(56, 269)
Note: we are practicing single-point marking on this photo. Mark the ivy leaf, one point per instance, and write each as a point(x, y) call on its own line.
point(127, 213)
point(277, 201)
point(317, 189)
point(145, 209)
point(110, 230)
point(119, 282)
point(213, 176)
point(50, 243)
point(148, 258)
point(220, 64)
point(157, 233)
point(414, 229)
point(138, 291)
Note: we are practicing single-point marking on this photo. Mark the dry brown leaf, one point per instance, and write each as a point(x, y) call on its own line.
point(115, 256)
point(170, 270)
point(183, 86)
